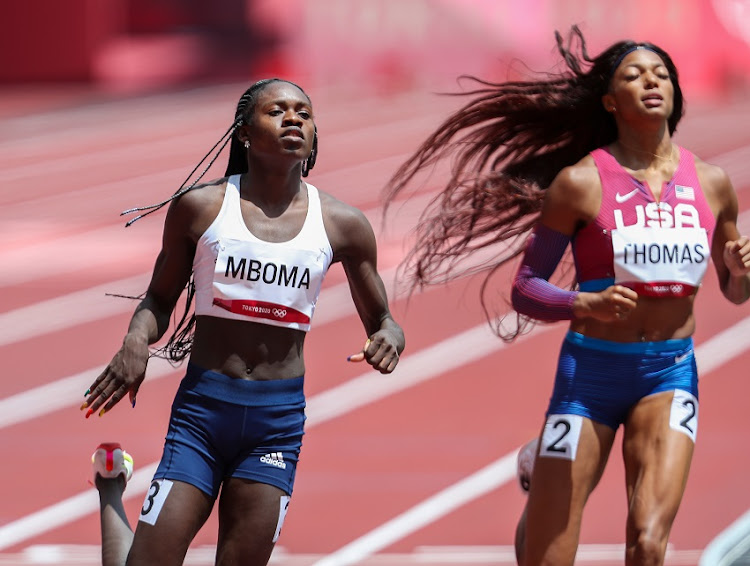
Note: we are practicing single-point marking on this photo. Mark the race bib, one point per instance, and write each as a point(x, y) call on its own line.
point(277, 284)
point(660, 261)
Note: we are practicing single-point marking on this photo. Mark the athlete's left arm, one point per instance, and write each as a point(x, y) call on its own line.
point(354, 245)
point(729, 250)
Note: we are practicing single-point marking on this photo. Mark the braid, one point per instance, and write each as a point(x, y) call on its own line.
point(183, 189)
point(309, 163)
point(179, 344)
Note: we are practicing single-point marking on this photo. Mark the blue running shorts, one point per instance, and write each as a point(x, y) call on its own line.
point(602, 380)
point(222, 427)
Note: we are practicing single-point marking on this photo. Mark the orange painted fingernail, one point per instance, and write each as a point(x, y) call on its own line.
point(86, 404)
point(102, 412)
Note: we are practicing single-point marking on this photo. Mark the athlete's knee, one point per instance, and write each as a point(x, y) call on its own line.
point(648, 545)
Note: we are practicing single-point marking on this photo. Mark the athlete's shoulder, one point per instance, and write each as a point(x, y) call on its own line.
point(195, 209)
point(715, 184)
point(578, 178)
point(349, 231)
point(709, 173)
point(340, 212)
point(208, 190)
point(201, 195)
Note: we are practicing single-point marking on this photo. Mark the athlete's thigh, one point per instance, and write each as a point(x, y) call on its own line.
point(251, 515)
point(171, 515)
point(573, 453)
point(657, 446)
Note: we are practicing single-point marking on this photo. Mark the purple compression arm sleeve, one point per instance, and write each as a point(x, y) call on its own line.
point(533, 295)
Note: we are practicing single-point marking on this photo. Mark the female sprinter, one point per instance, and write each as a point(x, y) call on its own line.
point(253, 248)
point(586, 159)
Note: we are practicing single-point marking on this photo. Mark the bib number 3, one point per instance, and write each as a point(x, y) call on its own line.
point(155, 498)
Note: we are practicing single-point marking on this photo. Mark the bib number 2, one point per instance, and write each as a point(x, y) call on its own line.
point(684, 413)
point(560, 437)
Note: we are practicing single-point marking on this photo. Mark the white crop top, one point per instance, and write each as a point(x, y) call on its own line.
point(241, 277)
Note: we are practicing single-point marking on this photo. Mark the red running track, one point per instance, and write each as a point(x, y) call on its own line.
point(416, 467)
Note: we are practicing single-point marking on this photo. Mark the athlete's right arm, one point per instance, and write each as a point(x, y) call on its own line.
point(127, 369)
point(571, 201)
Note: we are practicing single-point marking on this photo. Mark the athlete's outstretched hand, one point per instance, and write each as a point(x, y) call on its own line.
point(124, 374)
point(380, 351)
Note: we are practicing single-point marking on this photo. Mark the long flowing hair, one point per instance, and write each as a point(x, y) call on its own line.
point(506, 145)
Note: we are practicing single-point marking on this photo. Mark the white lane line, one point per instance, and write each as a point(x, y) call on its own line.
point(335, 303)
point(488, 478)
point(91, 304)
point(727, 344)
point(52, 258)
point(431, 362)
point(713, 353)
point(69, 510)
point(70, 310)
point(48, 258)
point(369, 387)
point(205, 554)
point(63, 393)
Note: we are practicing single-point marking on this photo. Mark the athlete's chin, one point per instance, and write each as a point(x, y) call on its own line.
point(293, 142)
point(660, 111)
point(300, 153)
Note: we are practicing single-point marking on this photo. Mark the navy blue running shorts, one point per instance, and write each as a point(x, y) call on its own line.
point(602, 380)
point(222, 427)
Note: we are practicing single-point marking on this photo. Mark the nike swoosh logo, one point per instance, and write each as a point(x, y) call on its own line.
point(622, 198)
point(682, 357)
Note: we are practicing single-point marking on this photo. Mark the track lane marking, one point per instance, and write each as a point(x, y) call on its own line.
point(365, 389)
point(716, 351)
point(334, 304)
point(89, 305)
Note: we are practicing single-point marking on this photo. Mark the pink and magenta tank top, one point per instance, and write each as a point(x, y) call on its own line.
point(658, 248)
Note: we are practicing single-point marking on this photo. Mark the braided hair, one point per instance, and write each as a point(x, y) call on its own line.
point(507, 144)
point(179, 344)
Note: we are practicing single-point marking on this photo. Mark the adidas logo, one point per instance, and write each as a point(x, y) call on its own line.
point(275, 459)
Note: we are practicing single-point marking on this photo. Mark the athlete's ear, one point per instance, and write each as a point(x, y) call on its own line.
point(609, 103)
point(242, 134)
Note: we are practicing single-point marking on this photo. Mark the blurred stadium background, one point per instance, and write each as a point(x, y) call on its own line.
point(136, 46)
point(106, 103)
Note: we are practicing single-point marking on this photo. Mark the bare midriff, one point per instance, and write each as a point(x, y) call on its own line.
point(652, 320)
point(248, 350)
